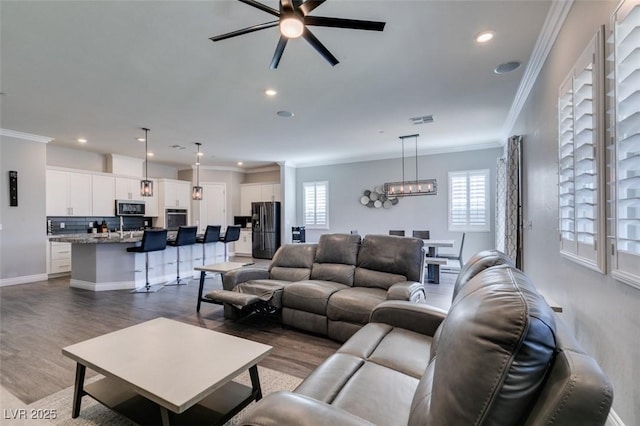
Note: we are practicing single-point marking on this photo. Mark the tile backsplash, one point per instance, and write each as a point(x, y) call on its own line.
point(81, 225)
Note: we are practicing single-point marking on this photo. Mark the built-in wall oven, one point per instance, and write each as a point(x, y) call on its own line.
point(175, 218)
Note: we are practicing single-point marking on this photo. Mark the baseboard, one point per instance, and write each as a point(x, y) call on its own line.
point(613, 419)
point(116, 285)
point(23, 280)
point(127, 285)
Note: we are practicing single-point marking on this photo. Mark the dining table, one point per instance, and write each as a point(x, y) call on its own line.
point(432, 246)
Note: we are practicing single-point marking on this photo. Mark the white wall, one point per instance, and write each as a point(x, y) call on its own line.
point(23, 234)
point(603, 313)
point(85, 160)
point(347, 182)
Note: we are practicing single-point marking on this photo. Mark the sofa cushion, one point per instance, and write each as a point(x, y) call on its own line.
point(396, 348)
point(333, 272)
point(494, 350)
point(354, 304)
point(336, 258)
point(376, 279)
point(310, 295)
point(478, 263)
point(293, 262)
point(338, 248)
point(371, 391)
point(395, 257)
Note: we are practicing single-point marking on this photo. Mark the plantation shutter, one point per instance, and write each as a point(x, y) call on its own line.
point(469, 200)
point(316, 204)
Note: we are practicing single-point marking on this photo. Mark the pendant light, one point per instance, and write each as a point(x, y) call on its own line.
point(196, 193)
point(412, 187)
point(146, 185)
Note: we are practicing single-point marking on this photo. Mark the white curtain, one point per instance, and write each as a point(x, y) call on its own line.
point(509, 201)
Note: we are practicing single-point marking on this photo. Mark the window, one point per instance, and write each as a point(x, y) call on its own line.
point(469, 201)
point(625, 148)
point(580, 160)
point(316, 209)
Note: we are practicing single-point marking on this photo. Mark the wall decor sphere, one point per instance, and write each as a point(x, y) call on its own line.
point(376, 198)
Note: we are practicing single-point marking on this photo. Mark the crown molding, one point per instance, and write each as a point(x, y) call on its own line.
point(552, 25)
point(25, 136)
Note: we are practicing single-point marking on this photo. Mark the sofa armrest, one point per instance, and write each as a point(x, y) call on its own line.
point(237, 276)
point(406, 290)
point(286, 408)
point(417, 317)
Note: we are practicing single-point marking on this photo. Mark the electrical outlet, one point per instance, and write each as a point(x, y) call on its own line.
point(90, 224)
point(61, 225)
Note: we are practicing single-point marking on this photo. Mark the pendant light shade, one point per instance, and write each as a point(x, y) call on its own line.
point(146, 185)
point(411, 187)
point(196, 192)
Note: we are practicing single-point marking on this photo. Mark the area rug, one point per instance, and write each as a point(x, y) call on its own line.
point(93, 413)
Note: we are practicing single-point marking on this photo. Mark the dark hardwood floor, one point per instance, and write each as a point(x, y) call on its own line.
point(38, 319)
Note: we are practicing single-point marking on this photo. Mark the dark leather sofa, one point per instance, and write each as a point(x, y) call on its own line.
point(499, 356)
point(329, 288)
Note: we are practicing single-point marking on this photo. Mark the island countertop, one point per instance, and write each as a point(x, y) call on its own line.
point(128, 237)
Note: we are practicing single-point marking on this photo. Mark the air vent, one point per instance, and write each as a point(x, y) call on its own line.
point(178, 147)
point(422, 120)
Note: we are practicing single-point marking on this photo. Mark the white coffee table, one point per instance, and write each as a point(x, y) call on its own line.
point(163, 371)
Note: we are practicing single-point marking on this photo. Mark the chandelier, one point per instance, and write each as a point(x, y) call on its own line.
point(411, 187)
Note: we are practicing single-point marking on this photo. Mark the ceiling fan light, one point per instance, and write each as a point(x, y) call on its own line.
point(291, 26)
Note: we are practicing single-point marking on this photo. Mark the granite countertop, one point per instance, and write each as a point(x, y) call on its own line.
point(128, 237)
point(108, 238)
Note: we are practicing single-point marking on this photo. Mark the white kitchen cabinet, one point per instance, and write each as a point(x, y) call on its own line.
point(175, 194)
point(128, 188)
point(68, 193)
point(102, 195)
point(255, 192)
point(243, 245)
point(248, 194)
point(58, 258)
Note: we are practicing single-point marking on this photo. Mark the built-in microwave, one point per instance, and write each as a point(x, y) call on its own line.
point(129, 208)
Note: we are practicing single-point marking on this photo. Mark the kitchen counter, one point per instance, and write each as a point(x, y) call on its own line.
point(102, 262)
point(130, 237)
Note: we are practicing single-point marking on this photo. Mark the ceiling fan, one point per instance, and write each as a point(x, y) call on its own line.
point(293, 19)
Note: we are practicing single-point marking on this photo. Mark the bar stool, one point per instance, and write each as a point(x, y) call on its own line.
point(232, 234)
point(211, 235)
point(186, 237)
point(152, 240)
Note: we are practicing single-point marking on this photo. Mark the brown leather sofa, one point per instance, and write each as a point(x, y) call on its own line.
point(329, 288)
point(499, 356)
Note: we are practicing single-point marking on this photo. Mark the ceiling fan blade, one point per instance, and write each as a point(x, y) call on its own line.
point(245, 31)
point(313, 41)
point(261, 6)
point(286, 5)
point(307, 6)
point(353, 24)
point(282, 43)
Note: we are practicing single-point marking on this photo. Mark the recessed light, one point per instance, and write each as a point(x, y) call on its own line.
point(507, 67)
point(286, 114)
point(200, 154)
point(82, 140)
point(270, 92)
point(240, 163)
point(149, 154)
point(140, 139)
point(485, 36)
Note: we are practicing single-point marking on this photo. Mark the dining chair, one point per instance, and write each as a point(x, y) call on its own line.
point(423, 235)
point(397, 233)
point(455, 256)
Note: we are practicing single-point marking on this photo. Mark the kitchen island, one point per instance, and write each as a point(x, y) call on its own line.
point(101, 261)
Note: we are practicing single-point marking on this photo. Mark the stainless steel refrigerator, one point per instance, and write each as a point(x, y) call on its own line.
point(265, 218)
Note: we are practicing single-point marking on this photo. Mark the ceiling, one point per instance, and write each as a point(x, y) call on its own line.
point(102, 70)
